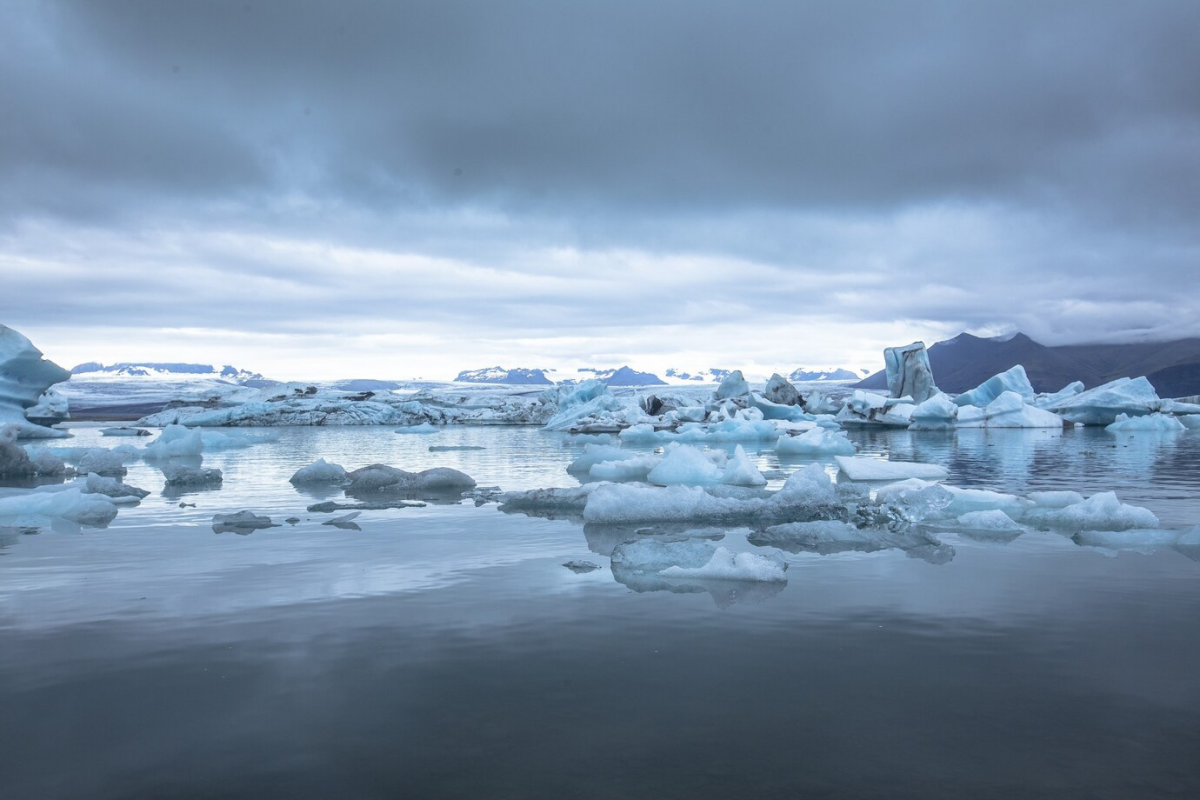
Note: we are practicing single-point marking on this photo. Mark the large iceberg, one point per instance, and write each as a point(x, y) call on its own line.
point(909, 373)
point(1102, 405)
point(1009, 410)
point(24, 377)
point(1013, 380)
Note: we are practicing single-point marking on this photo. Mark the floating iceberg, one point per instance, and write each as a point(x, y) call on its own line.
point(1013, 380)
point(937, 413)
point(781, 392)
point(320, 471)
point(1157, 423)
point(816, 442)
point(1009, 410)
point(1102, 405)
point(71, 503)
point(423, 427)
point(864, 468)
point(124, 431)
point(113, 489)
point(1100, 512)
point(685, 466)
point(727, 565)
point(17, 461)
point(382, 478)
point(733, 386)
point(909, 373)
point(24, 377)
point(633, 468)
point(740, 471)
point(180, 475)
point(51, 408)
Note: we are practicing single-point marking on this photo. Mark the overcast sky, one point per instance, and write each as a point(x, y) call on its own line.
point(339, 189)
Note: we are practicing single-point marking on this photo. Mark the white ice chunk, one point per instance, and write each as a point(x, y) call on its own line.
point(864, 468)
point(815, 442)
point(730, 566)
point(594, 454)
point(424, 427)
point(1009, 410)
point(1151, 423)
point(734, 385)
point(632, 468)
point(740, 471)
point(685, 466)
point(937, 413)
point(1101, 512)
point(1014, 380)
point(1102, 405)
point(70, 504)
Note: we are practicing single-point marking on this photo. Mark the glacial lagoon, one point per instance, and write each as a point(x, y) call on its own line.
point(375, 659)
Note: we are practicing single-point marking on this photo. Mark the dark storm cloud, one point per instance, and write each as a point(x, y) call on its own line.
point(657, 106)
point(563, 166)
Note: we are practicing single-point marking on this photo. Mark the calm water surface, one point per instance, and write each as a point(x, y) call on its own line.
point(445, 651)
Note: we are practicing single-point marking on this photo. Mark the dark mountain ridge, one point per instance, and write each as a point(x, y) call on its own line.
point(964, 362)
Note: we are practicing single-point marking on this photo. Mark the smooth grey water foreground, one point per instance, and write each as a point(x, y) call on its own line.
point(445, 652)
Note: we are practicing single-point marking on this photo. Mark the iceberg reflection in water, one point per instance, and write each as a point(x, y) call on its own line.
point(441, 648)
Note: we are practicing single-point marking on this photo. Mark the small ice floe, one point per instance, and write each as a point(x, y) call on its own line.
point(113, 489)
point(453, 448)
point(63, 502)
point(320, 471)
point(243, 522)
point(424, 427)
point(124, 431)
point(863, 468)
point(740, 471)
point(382, 478)
point(180, 475)
point(580, 567)
point(1150, 423)
point(815, 442)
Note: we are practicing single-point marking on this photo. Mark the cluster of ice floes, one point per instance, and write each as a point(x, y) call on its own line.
point(25, 380)
point(298, 404)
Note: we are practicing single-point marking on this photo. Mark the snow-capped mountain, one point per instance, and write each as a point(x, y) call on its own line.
point(519, 375)
point(710, 375)
point(814, 374)
point(623, 376)
point(176, 370)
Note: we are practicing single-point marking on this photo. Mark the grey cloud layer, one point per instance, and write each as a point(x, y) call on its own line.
point(1056, 145)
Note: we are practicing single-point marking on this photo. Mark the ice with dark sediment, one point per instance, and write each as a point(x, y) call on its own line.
point(319, 472)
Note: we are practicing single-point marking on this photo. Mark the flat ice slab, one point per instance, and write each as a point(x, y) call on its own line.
point(864, 468)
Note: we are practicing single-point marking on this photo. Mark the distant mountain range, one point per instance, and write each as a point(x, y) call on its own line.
point(825, 374)
point(624, 376)
point(615, 376)
point(710, 375)
point(964, 362)
point(502, 375)
point(147, 369)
